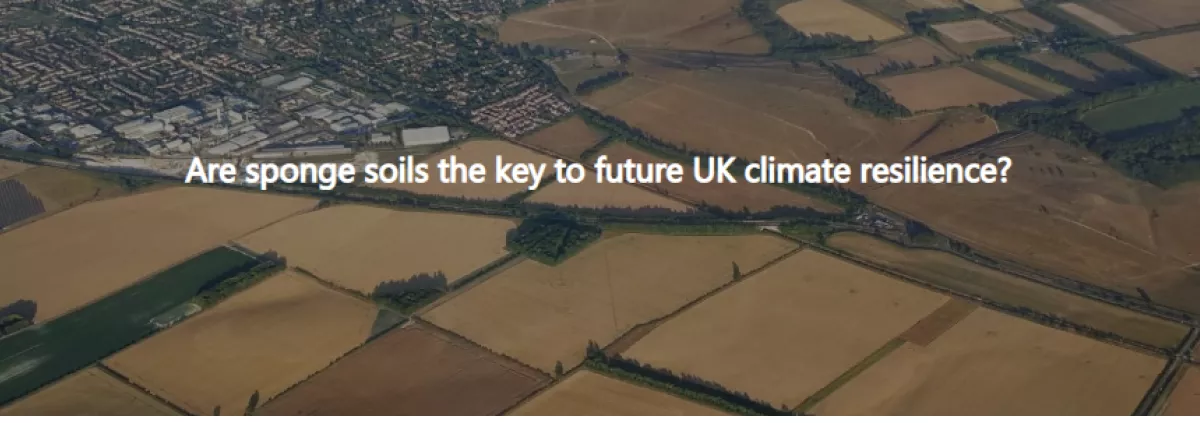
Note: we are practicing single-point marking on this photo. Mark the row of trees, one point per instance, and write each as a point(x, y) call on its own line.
point(867, 96)
point(683, 385)
point(593, 84)
point(212, 294)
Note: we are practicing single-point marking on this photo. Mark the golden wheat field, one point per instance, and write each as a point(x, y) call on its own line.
point(360, 247)
point(963, 276)
point(810, 317)
point(570, 138)
point(90, 392)
point(589, 394)
point(113, 243)
point(257, 343)
point(10, 168)
point(994, 364)
point(837, 17)
point(542, 315)
point(949, 87)
point(1185, 398)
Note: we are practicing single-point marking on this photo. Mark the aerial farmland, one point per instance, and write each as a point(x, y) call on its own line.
point(1069, 286)
point(786, 308)
point(1028, 369)
point(362, 248)
point(1172, 51)
point(585, 393)
point(114, 243)
point(948, 87)
point(249, 348)
point(837, 17)
point(413, 370)
point(91, 392)
point(543, 315)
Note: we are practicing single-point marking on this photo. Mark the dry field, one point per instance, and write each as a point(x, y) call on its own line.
point(1065, 64)
point(993, 364)
point(1101, 22)
point(360, 247)
point(263, 340)
point(972, 31)
point(411, 371)
point(570, 138)
point(482, 151)
point(541, 315)
point(593, 195)
point(809, 317)
point(949, 87)
point(837, 17)
point(997, 6)
point(1030, 21)
point(90, 392)
point(61, 189)
point(1160, 14)
point(1185, 398)
point(963, 276)
point(1063, 211)
point(590, 394)
point(1041, 87)
point(10, 168)
point(699, 25)
point(74, 257)
point(1176, 52)
point(796, 116)
point(917, 51)
point(754, 197)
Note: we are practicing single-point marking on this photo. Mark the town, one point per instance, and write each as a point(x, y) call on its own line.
point(150, 84)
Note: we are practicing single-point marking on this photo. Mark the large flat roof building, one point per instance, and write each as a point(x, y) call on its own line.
point(425, 136)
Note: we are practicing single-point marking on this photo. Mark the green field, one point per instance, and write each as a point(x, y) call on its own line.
point(1157, 108)
point(39, 355)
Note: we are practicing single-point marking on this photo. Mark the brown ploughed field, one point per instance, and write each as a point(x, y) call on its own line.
point(411, 371)
point(589, 394)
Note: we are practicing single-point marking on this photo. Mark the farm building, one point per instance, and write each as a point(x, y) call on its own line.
point(425, 136)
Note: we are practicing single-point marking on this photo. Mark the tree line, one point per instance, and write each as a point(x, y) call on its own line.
point(590, 85)
point(867, 96)
point(684, 385)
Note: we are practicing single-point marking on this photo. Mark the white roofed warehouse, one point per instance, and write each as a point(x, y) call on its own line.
point(425, 136)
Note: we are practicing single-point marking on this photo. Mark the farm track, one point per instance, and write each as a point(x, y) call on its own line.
point(1164, 383)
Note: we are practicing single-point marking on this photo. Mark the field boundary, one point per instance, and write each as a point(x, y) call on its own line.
point(848, 375)
point(125, 380)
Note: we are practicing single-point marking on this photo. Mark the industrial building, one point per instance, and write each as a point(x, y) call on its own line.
point(425, 136)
